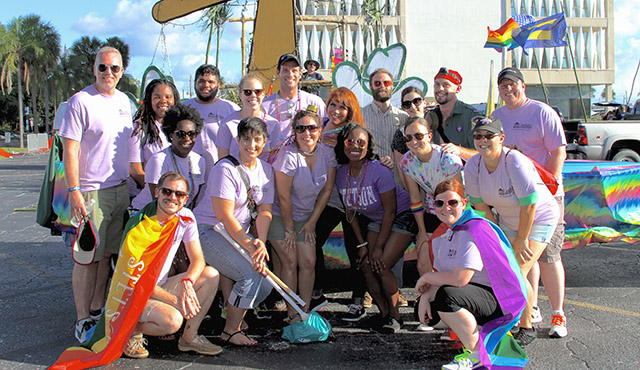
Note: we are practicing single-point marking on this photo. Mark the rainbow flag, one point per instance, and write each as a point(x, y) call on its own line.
point(145, 247)
point(502, 37)
point(498, 349)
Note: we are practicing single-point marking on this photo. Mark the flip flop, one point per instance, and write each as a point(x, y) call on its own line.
point(227, 341)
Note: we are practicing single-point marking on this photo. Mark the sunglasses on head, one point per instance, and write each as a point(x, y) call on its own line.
point(386, 83)
point(302, 129)
point(485, 136)
point(114, 68)
point(179, 194)
point(418, 135)
point(453, 203)
point(359, 142)
point(182, 134)
point(248, 92)
point(407, 103)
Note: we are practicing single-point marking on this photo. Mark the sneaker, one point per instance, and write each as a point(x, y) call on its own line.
point(95, 315)
point(525, 336)
point(199, 344)
point(280, 305)
point(392, 326)
point(463, 361)
point(83, 327)
point(355, 313)
point(318, 303)
point(423, 328)
point(135, 347)
point(558, 326)
point(261, 312)
point(368, 300)
point(536, 316)
point(402, 301)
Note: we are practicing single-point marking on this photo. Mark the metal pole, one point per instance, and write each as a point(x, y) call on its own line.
point(544, 89)
point(633, 83)
point(242, 19)
point(575, 72)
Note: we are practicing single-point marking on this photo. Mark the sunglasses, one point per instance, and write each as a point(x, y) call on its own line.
point(359, 142)
point(114, 68)
point(248, 92)
point(485, 136)
point(386, 83)
point(407, 103)
point(302, 129)
point(179, 194)
point(418, 135)
point(453, 203)
point(182, 134)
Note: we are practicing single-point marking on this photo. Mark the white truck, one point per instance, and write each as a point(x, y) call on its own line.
point(614, 140)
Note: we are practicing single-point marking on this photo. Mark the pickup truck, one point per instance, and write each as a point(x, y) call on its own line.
point(615, 140)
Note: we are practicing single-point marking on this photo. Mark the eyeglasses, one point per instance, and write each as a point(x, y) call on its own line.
point(407, 103)
point(386, 83)
point(485, 136)
point(248, 92)
point(418, 135)
point(302, 129)
point(453, 203)
point(359, 142)
point(114, 68)
point(179, 194)
point(182, 134)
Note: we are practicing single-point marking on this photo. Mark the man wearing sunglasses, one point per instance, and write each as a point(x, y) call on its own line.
point(212, 109)
point(284, 104)
point(535, 128)
point(95, 131)
point(454, 116)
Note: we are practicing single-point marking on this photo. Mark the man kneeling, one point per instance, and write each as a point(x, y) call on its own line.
point(187, 295)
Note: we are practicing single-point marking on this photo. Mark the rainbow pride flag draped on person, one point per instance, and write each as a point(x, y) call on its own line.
point(498, 349)
point(144, 250)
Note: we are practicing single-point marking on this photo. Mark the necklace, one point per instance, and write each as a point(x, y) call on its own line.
point(175, 166)
point(292, 104)
point(347, 197)
point(314, 151)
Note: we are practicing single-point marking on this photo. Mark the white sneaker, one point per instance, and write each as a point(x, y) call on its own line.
point(423, 327)
point(558, 326)
point(83, 329)
point(536, 316)
point(463, 361)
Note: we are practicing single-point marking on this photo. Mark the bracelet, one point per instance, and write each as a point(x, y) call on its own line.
point(188, 279)
point(289, 231)
point(70, 190)
point(362, 245)
point(417, 207)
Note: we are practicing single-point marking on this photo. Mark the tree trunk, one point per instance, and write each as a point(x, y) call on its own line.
point(34, 101)
point(20, 105)
point(46, 104)
point(206, 57)
point(217, 46)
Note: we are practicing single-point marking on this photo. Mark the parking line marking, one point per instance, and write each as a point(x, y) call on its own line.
point(597, 307)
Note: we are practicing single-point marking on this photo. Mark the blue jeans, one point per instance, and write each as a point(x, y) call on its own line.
point(250, 288)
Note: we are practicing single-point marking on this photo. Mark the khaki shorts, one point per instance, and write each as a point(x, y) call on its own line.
point(108, 216)
point(172, 285)
point(276, 229)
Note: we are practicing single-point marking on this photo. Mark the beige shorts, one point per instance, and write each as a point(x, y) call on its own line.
point(172, 285)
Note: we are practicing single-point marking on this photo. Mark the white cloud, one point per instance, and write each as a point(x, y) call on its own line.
point(626, 17)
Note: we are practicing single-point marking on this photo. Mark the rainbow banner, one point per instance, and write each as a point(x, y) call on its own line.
point(144, 250)
point(498, 349)
point(503, 36)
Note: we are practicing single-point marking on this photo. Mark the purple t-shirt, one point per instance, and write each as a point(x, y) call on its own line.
point(191, 167)
point(102, 124)
point(306, 184)
point(378, 179)
point(187, 231)
point(225, 182)
point(534, 127)
point(228, 134)
point(212, 114)
point(285, 109)
point(458, 249)
point(139, 153)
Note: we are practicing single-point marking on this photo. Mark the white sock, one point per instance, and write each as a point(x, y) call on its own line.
point(557, 312)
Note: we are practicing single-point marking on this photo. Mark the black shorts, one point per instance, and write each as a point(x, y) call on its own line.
point(475, 298)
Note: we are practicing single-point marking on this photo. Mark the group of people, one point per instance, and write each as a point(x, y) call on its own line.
point(280, 172)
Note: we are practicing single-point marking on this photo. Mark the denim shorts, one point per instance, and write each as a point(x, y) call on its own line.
point(539, 233)
point(404, 223)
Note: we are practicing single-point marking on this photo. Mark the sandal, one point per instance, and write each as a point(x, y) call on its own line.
point(229, 336)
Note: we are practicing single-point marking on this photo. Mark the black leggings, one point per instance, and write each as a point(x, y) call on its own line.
point(329, 219)
point(476, 298)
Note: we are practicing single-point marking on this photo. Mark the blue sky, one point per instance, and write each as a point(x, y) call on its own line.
point(131, 20)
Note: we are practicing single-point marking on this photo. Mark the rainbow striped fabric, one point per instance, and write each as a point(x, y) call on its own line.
point(145, 247)
point(502, 37)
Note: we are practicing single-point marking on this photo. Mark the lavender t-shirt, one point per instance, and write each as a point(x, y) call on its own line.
point(378, 179)
point(141, 153)
point(212, 114)
point(225, 182)
point(306, 184)
point(514, 183)
point(285, 109)
point(228, 134)
point(187, 231)
point(191, 167)
point(102, 124)
point(458, 249)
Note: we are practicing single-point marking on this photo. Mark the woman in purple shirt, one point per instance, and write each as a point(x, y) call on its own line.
point(370, 195)
point(305, 172)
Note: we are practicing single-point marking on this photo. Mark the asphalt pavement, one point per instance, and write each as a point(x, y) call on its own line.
point(37, 313)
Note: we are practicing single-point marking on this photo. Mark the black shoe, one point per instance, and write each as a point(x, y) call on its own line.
point(525, 336)
point(262, 312)
point(356, 313)
point(318, 303)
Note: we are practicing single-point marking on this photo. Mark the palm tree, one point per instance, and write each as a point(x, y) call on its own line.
point(215, 17)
